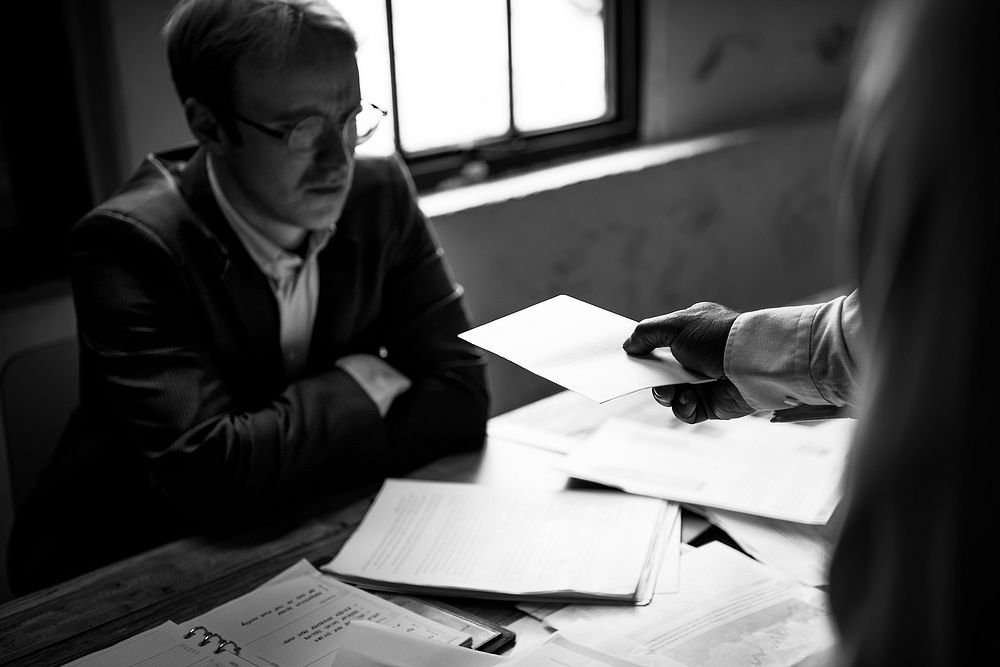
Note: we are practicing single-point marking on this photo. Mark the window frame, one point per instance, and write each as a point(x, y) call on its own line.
point(434, 168)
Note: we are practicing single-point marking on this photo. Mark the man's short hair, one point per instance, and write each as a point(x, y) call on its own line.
point(207, 38)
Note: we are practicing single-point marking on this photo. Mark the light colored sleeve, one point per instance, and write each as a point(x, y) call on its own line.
point(381, 382)
point(797, 355)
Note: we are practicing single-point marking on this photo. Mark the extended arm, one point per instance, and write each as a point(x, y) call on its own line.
point(797, 355)
point(764, 360)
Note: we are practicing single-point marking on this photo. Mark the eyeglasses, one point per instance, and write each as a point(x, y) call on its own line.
point(306, 135)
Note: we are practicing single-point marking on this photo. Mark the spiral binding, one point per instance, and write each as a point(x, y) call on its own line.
point(208, 635)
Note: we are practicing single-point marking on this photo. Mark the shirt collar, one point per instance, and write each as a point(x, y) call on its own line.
point(272, 259)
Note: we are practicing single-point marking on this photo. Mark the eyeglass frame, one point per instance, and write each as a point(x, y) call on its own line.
point(285, 136)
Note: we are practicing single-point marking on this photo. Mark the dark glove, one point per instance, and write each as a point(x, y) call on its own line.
point(697, 338)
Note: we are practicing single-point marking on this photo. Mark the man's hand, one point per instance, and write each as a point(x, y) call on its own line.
point(697, 338)
point(381, 382)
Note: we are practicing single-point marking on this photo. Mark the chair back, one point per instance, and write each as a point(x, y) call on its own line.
point(39, 387)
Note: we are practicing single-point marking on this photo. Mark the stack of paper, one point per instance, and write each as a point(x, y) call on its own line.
point(446, 538)
point(565, 421)
point(369, 645)
point(731, 610)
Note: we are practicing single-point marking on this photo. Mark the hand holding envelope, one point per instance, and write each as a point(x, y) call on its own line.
point(698, 337)
point(579, 346)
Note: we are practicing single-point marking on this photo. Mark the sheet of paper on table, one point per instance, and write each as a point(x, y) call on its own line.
point(800, 550)
point(731, 610)
point(367, 644)
point(578, 346)
point(447, 538)
point(563, 421)
point(780, 471)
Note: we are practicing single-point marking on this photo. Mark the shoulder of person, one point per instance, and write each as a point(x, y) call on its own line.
point(379, 172)
point(383, 202)
point(149, 205)
point(156, 178)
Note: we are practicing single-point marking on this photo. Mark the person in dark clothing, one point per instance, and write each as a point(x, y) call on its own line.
point(912, 581)
point(263, 317)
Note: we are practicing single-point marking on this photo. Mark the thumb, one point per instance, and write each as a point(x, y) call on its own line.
point(651, 333)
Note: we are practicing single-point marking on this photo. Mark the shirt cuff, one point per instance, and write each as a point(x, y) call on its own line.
point(767, 357)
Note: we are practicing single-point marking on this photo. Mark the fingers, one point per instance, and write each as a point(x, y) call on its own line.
point(696, 336)
point(685, 401)
point(652, 333)
point(665, 395)
point(687, 405)
point(694, 403)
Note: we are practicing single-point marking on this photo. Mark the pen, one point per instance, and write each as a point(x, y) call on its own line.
point(801, 413)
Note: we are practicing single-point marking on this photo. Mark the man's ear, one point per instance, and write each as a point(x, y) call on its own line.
point(203, 123)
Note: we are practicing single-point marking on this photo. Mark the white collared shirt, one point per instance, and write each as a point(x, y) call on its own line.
point(294, 279)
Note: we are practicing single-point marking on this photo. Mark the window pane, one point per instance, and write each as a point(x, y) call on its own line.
point(367, 18)
point(451, 71)
point(558, 62)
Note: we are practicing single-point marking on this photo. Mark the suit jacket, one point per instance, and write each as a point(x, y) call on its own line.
point(187, 420)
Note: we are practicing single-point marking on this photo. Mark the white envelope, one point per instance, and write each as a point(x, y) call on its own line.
point(579, 346)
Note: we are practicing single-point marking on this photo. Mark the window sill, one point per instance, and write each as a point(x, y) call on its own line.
point(552, 178)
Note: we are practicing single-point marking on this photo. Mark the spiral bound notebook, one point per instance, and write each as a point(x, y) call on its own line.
point(166, 645)
point(206, 636)
point(483, 635)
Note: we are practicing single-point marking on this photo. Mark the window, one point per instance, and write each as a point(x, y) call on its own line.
point(473, 88)
point(483, 87)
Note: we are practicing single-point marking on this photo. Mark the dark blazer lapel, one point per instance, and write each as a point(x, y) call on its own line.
point(339, 299)
point(250, 294)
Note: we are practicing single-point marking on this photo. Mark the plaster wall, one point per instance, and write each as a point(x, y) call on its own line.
point(749, 226)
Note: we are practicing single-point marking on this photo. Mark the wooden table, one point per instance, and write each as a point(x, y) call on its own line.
point(191, 576)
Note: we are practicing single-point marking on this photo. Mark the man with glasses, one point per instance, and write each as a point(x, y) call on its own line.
point(263, 318)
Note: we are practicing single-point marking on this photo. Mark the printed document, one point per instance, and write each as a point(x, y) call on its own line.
point(298, 621)
point(448, 538)
point(578, 346)
point(780, 471)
